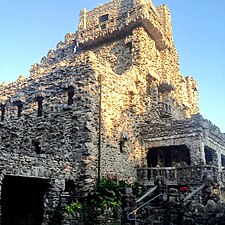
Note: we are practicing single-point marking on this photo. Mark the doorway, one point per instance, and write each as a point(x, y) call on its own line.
point(22, 200)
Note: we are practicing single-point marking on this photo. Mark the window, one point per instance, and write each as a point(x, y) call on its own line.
point(37, 147)
point(3, 106)
point(70, 95)
point(20, 108)
point(39, 100)
point(223, 160)
point(104, 18)
point(129, 46)
point(103, 26)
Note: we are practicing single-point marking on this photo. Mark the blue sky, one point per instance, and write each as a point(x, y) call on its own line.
point(29, 28)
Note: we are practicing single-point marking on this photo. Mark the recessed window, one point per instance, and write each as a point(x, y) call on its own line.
point(70, 95)
point(39, 100)
point(37, 147)
point(19, 108)
point(103, 26)
point(3, 106)
point(129, 46)
point(104, 18)
point(223, 160)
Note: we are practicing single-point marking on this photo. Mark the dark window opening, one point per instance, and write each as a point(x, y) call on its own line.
point(3, 107)
point(103, 27)
point(129, 46)
point(208, 157)
point(121, 145)
point(70, 188)
point(37, 147)
point(39, 100)
point(69, 185)
point(19, 108)
point(223, 160)
point(168, 156)
point(104, 18)
point(70, 95)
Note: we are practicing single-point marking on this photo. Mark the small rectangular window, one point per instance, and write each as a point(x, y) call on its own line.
point(104, 18)
point(103, 27)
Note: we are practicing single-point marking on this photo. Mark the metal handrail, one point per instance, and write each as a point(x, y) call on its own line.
point(194, 192)
point(151, 190)
point(135, 211)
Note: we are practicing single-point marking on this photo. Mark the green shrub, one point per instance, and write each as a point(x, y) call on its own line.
point(107, 194)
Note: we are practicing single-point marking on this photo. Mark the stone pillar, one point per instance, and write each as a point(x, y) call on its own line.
point(52, 202)
point(197, 154)
point(219, 160)
point(83, 19)
point(215, 156)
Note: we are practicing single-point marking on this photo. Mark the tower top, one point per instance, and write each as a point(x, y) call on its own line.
point(119, 17)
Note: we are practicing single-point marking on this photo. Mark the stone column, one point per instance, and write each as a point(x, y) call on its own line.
point(83, 19)
point(219, 160)
point(52, 201)
point(197, 154)
point(216, 158)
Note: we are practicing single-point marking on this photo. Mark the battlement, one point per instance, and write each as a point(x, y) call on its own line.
point(118, 18)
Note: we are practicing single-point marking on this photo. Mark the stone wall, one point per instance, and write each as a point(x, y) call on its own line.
point(145, 101)
point(196, 133)
point(57, 144)
point(120, 16)
point(141, 83)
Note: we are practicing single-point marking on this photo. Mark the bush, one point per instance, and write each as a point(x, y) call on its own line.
point(107, 194)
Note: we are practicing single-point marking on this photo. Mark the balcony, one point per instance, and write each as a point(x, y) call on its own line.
point(165, 110)
point(188, 175)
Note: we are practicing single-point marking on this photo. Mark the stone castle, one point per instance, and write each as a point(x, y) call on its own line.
point(108, 100)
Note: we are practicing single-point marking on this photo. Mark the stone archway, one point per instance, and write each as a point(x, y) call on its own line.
point(22, 200)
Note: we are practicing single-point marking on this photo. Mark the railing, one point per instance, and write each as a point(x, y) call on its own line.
point(165, 109)
point(134, 212)
point(148, 175)
point(179, 175)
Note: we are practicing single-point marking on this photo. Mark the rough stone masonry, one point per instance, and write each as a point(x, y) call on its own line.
point(49, 127)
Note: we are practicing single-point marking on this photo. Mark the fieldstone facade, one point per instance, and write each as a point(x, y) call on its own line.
point(115, 87)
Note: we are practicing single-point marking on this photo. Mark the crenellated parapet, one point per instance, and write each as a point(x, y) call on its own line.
point(119, 17)
point(64, 51)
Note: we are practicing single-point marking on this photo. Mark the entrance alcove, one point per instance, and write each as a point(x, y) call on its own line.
point(168, 156)
point(22, 200)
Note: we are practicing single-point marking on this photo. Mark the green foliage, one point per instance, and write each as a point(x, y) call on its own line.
point(138, 189)
point(76, 209)
point(107, 194)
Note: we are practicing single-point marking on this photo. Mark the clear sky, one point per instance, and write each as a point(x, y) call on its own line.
point(29, 28)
